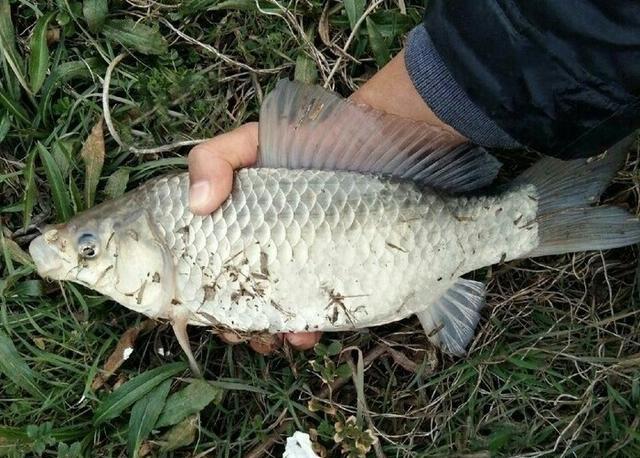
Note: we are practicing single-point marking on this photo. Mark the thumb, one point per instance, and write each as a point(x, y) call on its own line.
point(211, 166)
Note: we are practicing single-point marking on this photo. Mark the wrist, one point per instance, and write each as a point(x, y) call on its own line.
point(392, 91)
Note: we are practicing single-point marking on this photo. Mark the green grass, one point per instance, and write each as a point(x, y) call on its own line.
point(554, 369)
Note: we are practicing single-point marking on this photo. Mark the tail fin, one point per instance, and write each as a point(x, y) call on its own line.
point(567, 221)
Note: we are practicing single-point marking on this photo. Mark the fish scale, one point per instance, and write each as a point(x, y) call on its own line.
point(292, 239)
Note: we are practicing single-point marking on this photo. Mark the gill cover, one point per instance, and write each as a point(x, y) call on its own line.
point(143, 267)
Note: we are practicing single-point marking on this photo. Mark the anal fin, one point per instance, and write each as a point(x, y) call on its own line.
point(451, 321)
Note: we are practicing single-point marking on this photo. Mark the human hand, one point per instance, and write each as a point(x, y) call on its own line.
point(211, 166)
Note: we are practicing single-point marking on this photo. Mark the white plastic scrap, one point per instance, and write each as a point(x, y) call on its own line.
point(126, 353)
point(299, 446)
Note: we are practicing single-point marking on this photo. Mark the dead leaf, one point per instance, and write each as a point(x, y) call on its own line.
point(15, 252)
point(39, 342)
point(146, 449)
point(93, 155)
point(323, 26)
point(121, 353)
point(53, 36)
point(402, 360)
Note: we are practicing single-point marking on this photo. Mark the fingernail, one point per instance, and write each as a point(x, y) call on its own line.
point(199, 195)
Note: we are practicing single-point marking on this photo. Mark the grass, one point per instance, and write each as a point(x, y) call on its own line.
point(554, 369)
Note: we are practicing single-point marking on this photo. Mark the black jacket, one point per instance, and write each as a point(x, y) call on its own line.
point(559, 76)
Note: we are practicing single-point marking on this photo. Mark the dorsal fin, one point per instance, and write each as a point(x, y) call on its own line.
point(308, 127)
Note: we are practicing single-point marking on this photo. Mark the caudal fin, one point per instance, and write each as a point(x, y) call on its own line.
point(566, 191)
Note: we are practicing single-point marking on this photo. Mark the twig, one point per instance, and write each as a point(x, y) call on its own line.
point(218, 54)
point(356, 26)
point(114, 133)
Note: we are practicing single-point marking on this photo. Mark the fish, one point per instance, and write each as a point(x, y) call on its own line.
point(351, 218)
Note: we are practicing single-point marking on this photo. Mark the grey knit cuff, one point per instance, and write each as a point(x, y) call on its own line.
point(445, 97)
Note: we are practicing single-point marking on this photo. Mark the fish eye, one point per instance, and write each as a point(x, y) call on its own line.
point(88, 246)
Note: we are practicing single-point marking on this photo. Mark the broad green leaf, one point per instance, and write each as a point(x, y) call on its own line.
point(8, 44)
point(144, 415)
point(133, 34)
point(355, 9)
point(117, 183)
point(59, 192)
point(306, 71)
point(30, 190)
point(343, 371)
point(39, 59)
point(188, 401)
point(377, 43)
point(93, 155)
point(14, 107)
point(95, 13)
point(181, 435)
point(128, 393)
point(334, 348)
point(15, 369)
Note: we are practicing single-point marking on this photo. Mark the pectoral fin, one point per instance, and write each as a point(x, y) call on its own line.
point(179, 324)
point(451, 321)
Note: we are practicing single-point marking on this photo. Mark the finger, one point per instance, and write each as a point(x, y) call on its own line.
point(211, 166)
point(265, 343)
point(231, 338)
point(303, 340)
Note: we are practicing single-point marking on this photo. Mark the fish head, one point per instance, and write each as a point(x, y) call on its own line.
point(114, 250)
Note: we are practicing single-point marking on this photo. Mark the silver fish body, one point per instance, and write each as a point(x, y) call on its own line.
point(295, 250)
point(353, 218)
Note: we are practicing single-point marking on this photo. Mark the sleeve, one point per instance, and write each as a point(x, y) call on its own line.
point(562, 78)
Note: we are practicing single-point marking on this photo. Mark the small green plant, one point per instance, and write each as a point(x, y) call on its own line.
point(40, 437)
point(325, 367)
point(355, 441)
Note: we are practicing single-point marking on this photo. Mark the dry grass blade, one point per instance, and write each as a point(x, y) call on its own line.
point(354, 31)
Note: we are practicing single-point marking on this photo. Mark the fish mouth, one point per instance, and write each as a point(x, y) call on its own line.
point(46, 259)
